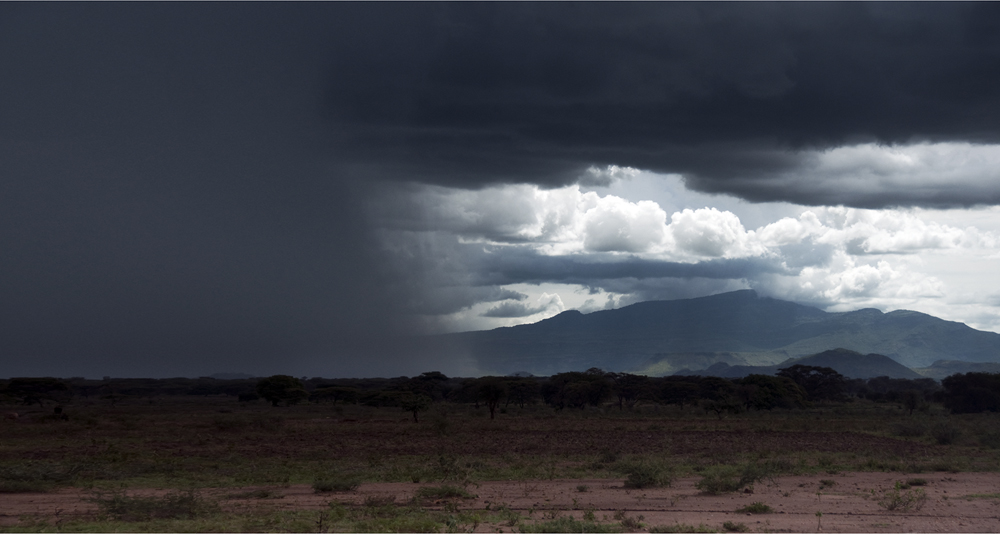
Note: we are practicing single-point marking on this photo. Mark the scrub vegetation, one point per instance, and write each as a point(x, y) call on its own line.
point(120, 438)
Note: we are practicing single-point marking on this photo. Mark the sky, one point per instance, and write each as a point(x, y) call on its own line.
point(195, 188)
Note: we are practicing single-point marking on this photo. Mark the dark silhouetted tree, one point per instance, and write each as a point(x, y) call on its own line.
point(491, 390)
point(415, 403)
point(972, 392)
point(282, 388)
point(522, 391)
point(629, 388)
point(819, 383)
point(38, 390)
point(764, 392)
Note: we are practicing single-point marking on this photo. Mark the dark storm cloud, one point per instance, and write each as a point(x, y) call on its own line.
point(166, 202)
point(729, 94)
point(184, 186)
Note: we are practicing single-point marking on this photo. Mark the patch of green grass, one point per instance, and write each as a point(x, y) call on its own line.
point(682, 527)
point(945, 433)
point(443, 492)
point(916, 482)
point(179, 505)
point(729, 478)
point(568, 524)
point(36, 477)
point(335, 483)
point(256, 494)
point(902, 499)
point(645, 473)
point(730, 526)
point(756, 508)
point(982, 496)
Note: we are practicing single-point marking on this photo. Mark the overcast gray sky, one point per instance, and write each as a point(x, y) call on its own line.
point(190, 188)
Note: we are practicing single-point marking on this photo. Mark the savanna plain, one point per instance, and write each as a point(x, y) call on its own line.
point(196, 463)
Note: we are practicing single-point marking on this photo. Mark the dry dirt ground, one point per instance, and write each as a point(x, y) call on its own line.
point(956, 502)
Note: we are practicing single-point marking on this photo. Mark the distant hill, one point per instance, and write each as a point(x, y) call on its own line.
point(737, 328)
point(943, 368)
point(846, 362)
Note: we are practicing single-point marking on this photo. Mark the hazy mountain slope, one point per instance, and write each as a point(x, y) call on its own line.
point(846, 362)
point(943, 368)
point(741, 326)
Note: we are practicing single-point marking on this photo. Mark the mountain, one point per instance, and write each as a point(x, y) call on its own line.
point(846, 362)
point(737, 328)
point(943, 368)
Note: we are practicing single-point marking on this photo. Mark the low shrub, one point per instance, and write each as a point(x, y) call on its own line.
point(945, 433)
point(646, 474)
point(35, 477)
point(729, 478)
point(901, 499)
point(682, 527)
point(443, 492)
point(910, 429)
point(569, 524)
point(256, 494)
point(180, 505)
point(730, 526)
point(756, 508)
point(336, 483)
point(990, 440)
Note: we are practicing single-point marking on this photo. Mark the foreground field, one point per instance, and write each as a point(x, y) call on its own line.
point(848, 502)
point(211, 464)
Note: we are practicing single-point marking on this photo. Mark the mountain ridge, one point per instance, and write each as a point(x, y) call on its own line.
point(739, 327)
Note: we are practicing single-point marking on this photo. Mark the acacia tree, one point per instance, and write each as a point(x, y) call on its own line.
point(820, 383)
point(521, 391)
point(491, 390)
point(282, 388)
point(415, 403)
point(972, 392)
point(629, 388)
point(37, 390)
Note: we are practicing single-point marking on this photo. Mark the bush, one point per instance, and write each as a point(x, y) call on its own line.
point(909, 430)
point(730, 478)
point(443, 492)
point(756, 508)
point(32, 477)
point(990, 440)
point(646, 474)
point(729, 526)
point(180, 505)
point(901, 499)
point(568, 524)
point(945, 433)
point(681, 527)
point(335, 483)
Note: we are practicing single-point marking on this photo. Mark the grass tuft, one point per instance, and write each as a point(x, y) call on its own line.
point(568, 524)
point(682, 527)
point(902, 499)
point(180, 505)
point(335, 483)
point(730, 526)
point(756, 508)
point(443, 492)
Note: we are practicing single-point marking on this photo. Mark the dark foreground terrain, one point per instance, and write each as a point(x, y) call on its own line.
point(209, 463)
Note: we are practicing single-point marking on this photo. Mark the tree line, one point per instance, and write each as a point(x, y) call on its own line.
point(796, 386)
